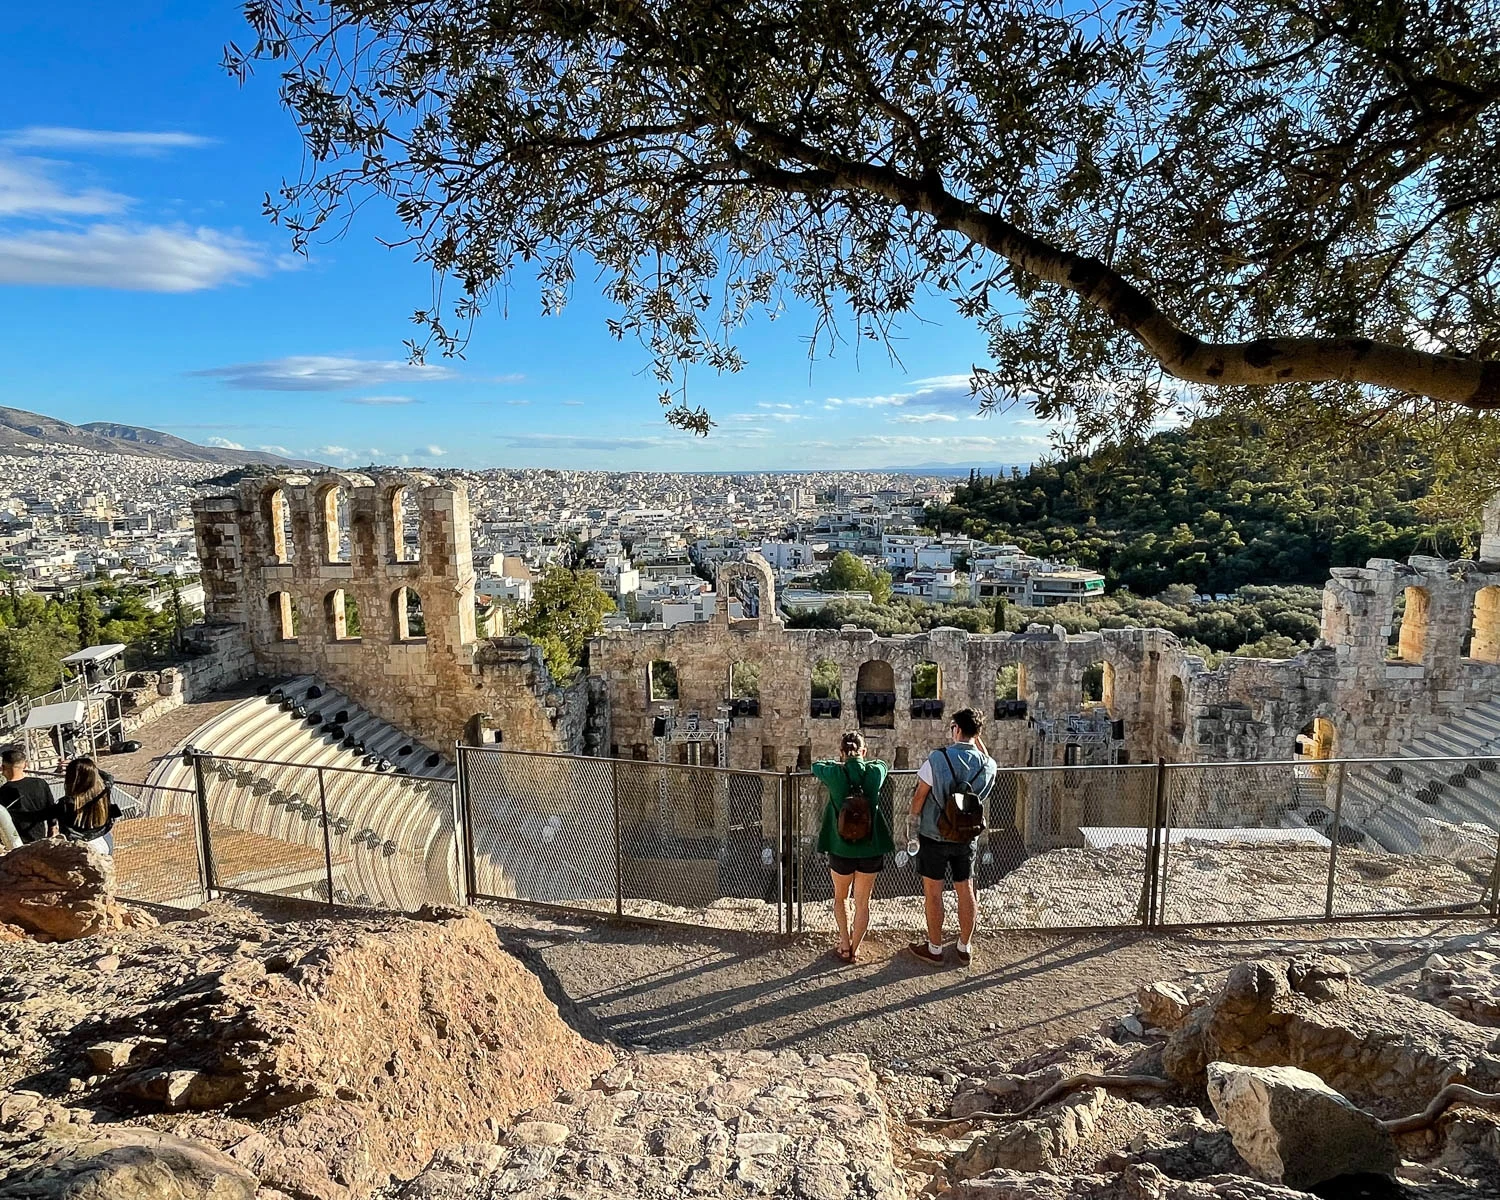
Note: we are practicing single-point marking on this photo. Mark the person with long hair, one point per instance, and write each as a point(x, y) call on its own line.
point(855, 834)
point(85, 812)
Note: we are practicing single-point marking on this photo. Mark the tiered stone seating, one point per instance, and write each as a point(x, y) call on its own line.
point(391, 835)
point(1408, 806)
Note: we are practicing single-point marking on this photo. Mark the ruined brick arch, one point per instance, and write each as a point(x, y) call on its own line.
point(875, 694)
point(283, 610)
point(1412, 642)
point(333, 522)
point(408, 622)
point(405, 516)
point(340, 616)
point(751, 582)
point(276, 513)
point(1484, 634)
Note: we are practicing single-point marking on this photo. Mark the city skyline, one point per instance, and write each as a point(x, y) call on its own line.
point(142, 285)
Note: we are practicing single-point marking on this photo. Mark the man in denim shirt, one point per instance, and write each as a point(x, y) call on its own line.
point(964, 765)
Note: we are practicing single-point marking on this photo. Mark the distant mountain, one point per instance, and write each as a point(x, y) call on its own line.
point(18, 428)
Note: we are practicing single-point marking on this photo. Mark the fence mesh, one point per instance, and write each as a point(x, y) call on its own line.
point(156, 850)
point(1065, 847)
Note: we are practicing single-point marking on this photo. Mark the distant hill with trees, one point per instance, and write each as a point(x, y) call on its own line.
point(1214, 506)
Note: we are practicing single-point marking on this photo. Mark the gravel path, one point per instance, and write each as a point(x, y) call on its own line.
point(678, 988)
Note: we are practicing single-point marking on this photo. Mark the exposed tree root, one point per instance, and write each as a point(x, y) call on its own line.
point(1449, 1096)
point(1059, 1089)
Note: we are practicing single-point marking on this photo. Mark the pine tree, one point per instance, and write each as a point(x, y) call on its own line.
point(1000, 614)
point(88, 619)
point(179, 618)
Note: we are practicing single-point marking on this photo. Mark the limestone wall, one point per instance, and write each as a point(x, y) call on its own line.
point(435, 680)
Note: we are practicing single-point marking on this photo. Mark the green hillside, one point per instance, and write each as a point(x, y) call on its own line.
point(1212, 506)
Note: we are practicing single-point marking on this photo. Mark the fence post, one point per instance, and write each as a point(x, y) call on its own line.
point(466, 818)
point(1495, 881)
point(781, 923)
point(327, 834)
point(1152, 884)
point(614, 793)
point(205, 841)
point(1335, 827)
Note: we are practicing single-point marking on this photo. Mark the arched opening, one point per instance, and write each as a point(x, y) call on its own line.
point(825, 701)
point(875, 694)
point(341, 616)
point(1107, 687)
point(1093, 685)
point(661, 681)
point(1484, 633)
point(283, 615)
point(1010, 683)
point(277, 513)
point(406, 527)
point(1409, 624)
point(926, 691)
point(744, 689)
point(741, 594)
point(336, 538)
point(407, 621)
point(1178, 708)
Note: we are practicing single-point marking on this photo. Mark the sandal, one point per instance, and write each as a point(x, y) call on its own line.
point(843, 954)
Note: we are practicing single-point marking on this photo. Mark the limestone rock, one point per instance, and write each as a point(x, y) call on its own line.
point(126, 1163)
point(58, 890)
point(1137, 1182)
point(1386, 1052)
point(1164, 1005)
point(1293, 1128)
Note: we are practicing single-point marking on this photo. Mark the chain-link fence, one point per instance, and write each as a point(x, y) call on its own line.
point(1065, 847)
point(643, 839)
point(157, 853)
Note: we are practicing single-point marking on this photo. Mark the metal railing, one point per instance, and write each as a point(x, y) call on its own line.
point(1161, 845)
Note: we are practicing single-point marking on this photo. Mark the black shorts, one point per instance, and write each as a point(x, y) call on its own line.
point(935, 858)
point(840, 865)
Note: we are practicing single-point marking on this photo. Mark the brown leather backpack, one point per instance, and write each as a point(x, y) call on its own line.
point(961, 818)
point(856, 820)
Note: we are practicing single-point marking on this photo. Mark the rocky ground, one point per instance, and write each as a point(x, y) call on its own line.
point(301, 1054)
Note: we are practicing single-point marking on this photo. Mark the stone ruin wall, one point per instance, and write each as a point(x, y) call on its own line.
point(443, 687)
point(449, 685)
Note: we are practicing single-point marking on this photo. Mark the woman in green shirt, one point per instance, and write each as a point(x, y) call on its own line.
point(853, 865)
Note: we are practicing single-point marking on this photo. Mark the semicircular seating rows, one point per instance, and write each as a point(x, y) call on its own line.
point(391, 831)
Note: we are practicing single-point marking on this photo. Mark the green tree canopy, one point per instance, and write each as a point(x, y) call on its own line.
point(847, 572)
point(566, 609)
point(1287, 206)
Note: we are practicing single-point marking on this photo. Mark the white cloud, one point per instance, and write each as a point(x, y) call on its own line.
point(338, 452)
point(771, 404)
point(323, 373)
point(379, 401)
point(518, 403)
point(152, 259)
point(569, 441)
point(281, 450)
point(924, 418)
point(572, 403)
point(220, 443)
point(118, 141)
point(429, 452)
point(26, 189)
point(949, 391)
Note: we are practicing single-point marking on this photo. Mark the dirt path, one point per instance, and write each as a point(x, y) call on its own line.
point(680, 988)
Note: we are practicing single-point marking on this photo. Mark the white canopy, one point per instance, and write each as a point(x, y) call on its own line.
point(47, 716)
point(95, 653)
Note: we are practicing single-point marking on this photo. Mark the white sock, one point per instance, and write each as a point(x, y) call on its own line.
point(963, 947)
point(931, 949)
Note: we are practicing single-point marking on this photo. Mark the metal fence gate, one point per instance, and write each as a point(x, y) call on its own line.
point(1088, 847)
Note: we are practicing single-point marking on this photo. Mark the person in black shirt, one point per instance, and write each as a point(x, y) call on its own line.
point(27, 798)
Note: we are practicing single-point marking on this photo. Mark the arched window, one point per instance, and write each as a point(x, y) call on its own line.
point(336, 539)
point(1010, 696)
point(1107, 687)
point(1179, 708)
point(283, 615)
point(1410, 625)
point(406, 526)
point(1093, 683)
point(824, 699)
point(661, 681)
point(1484, 635)
point(278, 518)
point(341, 616)
point(406, 615)
point(926, 691)
point(744, 688)
point(875, 694)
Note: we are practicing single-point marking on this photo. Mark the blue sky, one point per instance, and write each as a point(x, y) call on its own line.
point(140, 283)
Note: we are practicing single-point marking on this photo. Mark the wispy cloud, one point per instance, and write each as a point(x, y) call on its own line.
point(428, 452)
point(341, 453)
point(107, 141)
point(923, 418)
point(114, 256)
point(27, 189)
point(221, 443)
point(572, 403)
point(323, 373)
point(380, 401)
point(944, 391)
point(281, 450)
point(569, 441)
point(518, 403)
